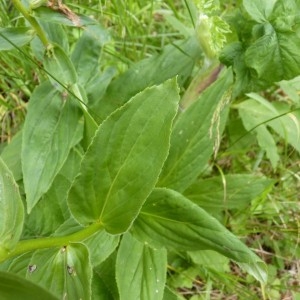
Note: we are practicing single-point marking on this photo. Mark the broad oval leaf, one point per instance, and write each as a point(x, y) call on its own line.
point(140, 270)
point(10, 38)
point(124, 160)
point(13, 287)
point(11, 211)
point(169, 219)
point(192, 143)
point(65, 271)
point(48, 135)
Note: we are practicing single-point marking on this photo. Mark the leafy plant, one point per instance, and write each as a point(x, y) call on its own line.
point(103, 183)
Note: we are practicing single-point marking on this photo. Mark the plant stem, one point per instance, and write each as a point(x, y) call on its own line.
point(50, 242)
point(39, 31)
point(206, 76)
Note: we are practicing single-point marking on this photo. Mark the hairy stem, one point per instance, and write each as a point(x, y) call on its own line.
point(39, 31)
point(50, 242)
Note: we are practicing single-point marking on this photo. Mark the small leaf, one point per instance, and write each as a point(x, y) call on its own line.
point(104, 280)
point(49, 133)
point(12, 37)
point(192, 141)
point(140, 270)
point(11, 155)
point(59, 66)
point(100, 246)
point(168, 219)
point(233, 191)
point(11, 211)
point(86, 54)
point(13, 287)
point(259, 10)
point(52, 210)
point(124, 160)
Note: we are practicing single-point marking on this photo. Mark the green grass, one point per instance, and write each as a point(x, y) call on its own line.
point(270, 226)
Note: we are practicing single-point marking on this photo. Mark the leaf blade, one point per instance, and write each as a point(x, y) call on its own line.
point(48, 134)
point(140, 270)
point(11, 211)
point(132, 154)
point(168, 219)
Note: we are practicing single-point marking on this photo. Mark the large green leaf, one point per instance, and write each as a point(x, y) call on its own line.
point(169, 219)
point(12, 37)
point(11, 211)
point(140, 270)
point(50, 131)
point(194, 135)
point(122, 165)
point(66, 272)
point(177, 59)
point(233, 191)
point(13, 287)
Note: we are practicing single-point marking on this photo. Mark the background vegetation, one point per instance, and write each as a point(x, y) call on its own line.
point(268, 220)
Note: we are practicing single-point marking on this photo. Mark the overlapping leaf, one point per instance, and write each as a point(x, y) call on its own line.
point(177, 59)
point(169, 219)
point(140, 270)
point(121, 166)
point(15, 287)
point(11, 211)
point(48, 135)
point(66, 271)
point(233, 191)
point(12, 37)
point(192, 141)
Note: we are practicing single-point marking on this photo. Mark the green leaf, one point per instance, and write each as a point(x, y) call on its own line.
point(59, 66)
point(259, 113)
point(259, 10)
point(140, 270)
point(233, 191)
point(104, 283)
point(52, 210)
point(168, 219)
point(193, 137)
point(12, 37)
point(13, 287)
point(177, 59)
point(100, 246)
point(11, 211)
point(49, 133)
point(86, 54)
point(124, 160)
point(268, 45)
point(11, 155)
point(210, 259)
point(66, 271)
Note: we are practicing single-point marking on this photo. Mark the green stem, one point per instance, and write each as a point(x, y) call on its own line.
point(39, 31)
point(50, 242)
point(206, 76)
